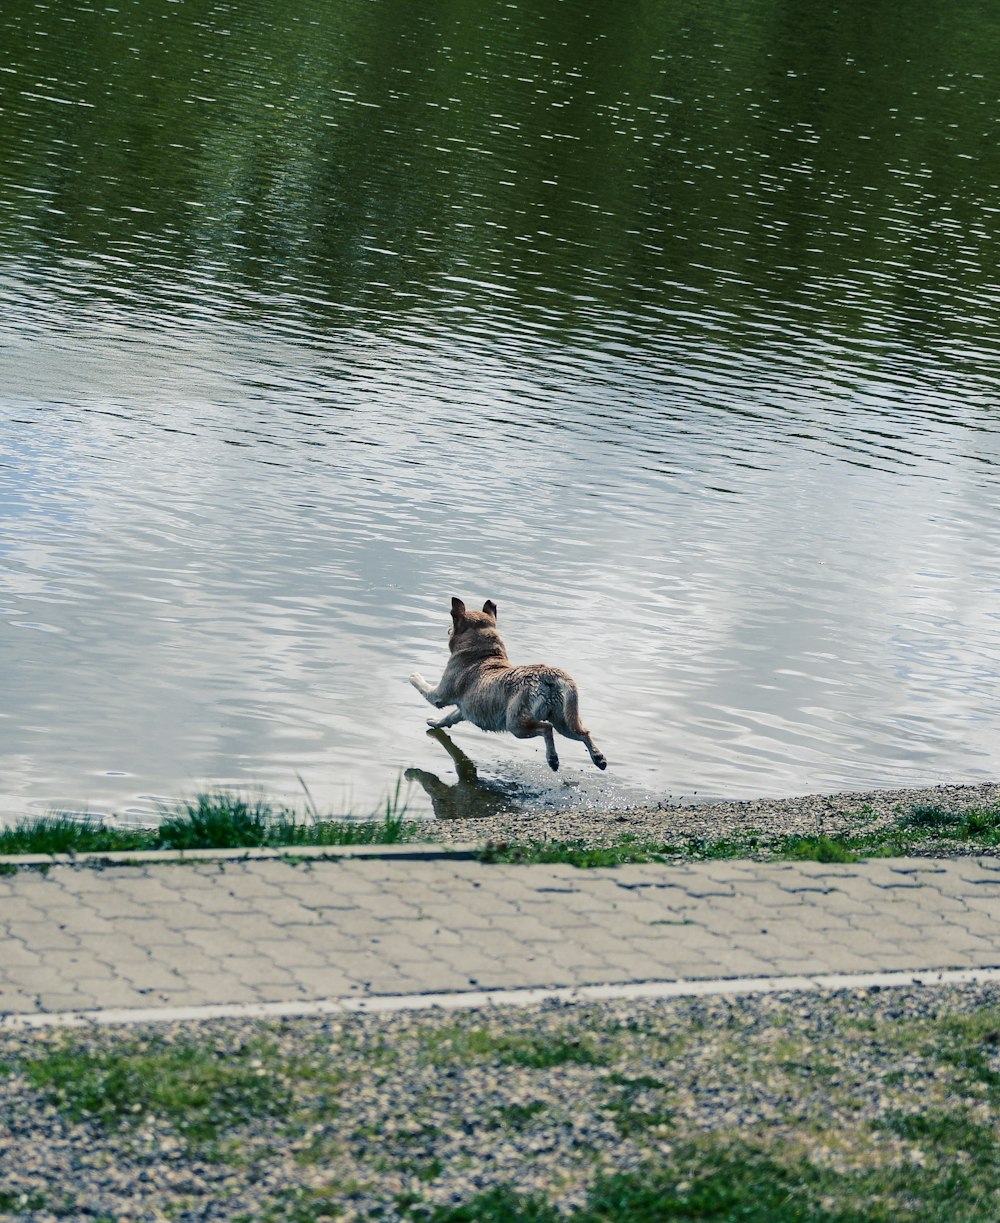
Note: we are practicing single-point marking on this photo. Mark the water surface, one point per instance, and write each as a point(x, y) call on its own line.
point(674, 332)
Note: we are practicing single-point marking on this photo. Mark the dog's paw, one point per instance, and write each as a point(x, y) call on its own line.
point(417, 680)
point(553, 763)
point(601, 762)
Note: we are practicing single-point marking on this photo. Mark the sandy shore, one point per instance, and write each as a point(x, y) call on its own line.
point(808, 815)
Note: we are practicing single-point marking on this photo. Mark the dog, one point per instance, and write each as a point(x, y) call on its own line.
point(493, 694)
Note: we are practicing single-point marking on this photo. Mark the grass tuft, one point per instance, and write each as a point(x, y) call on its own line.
point(221, 820)
point(226, 821)
point(61, 834)
point(925, 816)
point(816, 849)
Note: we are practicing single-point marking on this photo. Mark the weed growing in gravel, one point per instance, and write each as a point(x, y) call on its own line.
point(860, 1108)
point(712, 1184)
point(720, 1180)
point(199, 1092)
point(923, 816)
point(921, 828)
point(707, 1183)
point(537, 1052)
point(519, 1116)
point(302, 1206)
point(17, 1203)
point(500, 1205)
point(975, 824)
point(971, 1046)
point(638, 1105)
point(815, 849)
point(574, 853)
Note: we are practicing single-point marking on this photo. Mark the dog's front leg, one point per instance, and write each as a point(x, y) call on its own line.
point(439, 700)
point(426, 690)
point(421, 685)
point(436, 696)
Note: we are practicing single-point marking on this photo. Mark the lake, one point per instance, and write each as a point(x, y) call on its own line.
point(672, 328)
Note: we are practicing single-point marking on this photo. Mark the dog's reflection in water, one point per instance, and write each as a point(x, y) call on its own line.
point(469, 797)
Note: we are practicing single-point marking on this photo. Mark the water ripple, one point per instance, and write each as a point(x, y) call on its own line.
point(681, 347)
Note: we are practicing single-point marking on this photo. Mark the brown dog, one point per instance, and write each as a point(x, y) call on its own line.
point(493, 694)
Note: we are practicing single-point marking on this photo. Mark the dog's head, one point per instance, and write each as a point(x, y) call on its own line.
point(466, 624)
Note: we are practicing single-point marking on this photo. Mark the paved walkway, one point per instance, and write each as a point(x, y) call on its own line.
point(161, 935)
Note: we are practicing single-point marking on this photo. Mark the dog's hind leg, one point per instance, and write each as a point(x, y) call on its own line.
point(596, 754)
point(573, 728)
point(528, 728)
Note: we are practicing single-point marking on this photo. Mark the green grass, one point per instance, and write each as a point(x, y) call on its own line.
point(912, 832)
point(500, 1205)
point(741, 1186)
point(703, 1110)
point(299, 1206)
point(953, 1131)
point(61, 834)
point(212, 821)
point(224, 820)
point(519, 1116)
point(200, 1092)
point(16, 1203)
point(575, 853)
point(718, 1181)
point(637, 1105)
point(446, 1045)
point(817, 849)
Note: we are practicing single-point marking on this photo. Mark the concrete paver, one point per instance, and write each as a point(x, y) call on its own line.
point(163, 934)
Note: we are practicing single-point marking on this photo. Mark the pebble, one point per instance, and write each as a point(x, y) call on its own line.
point(673, 823)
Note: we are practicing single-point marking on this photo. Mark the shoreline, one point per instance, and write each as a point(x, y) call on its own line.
point(805, 815)
point(944, 820)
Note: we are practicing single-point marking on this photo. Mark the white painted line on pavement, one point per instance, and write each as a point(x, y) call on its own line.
point(473, 999)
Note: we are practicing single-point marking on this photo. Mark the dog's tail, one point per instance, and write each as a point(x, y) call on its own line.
point(570, 706)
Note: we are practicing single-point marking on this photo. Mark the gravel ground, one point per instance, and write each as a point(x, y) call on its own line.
point(350, 1117)
point(815, 813)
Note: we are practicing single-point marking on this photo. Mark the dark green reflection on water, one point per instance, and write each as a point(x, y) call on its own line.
point(671, 325)
point(545, 160)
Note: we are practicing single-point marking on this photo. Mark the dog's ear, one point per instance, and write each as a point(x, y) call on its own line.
point(490, 608)
point(457, 609)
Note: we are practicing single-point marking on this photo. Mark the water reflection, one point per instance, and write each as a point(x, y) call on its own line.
point(470, 797)
point(675, 333)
